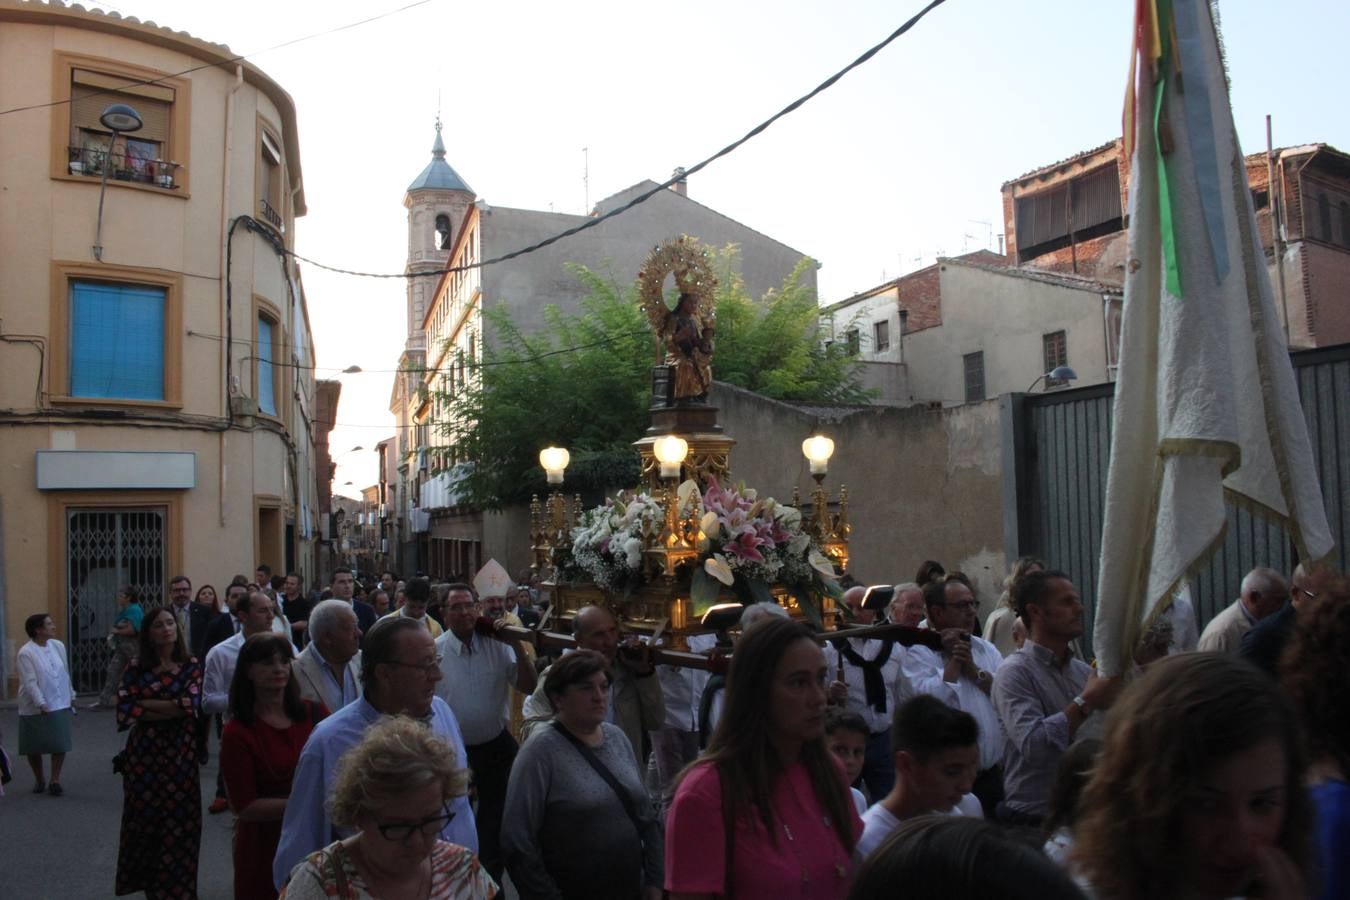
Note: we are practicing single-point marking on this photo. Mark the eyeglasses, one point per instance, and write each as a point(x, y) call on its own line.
point(430, 668)
point(1311, 595)
point(432, 825)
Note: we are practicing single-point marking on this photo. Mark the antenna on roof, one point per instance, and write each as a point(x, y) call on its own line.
point(586, 178)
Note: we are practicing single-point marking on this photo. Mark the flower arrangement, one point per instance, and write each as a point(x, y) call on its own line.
point(745, 543)
point(607, 545)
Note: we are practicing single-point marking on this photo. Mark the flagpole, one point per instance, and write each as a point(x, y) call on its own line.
point(1276, 210)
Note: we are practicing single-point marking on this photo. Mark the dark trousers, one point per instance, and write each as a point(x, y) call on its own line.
point(988, 789)
point(878, 766)
point(491, 765)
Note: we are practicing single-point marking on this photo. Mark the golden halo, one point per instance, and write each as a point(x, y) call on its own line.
point(691, 264)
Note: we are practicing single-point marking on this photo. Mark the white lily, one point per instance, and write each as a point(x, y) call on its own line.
point(711, 527)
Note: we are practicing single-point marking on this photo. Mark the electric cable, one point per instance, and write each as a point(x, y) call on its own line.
point(647, 195)
point(222, 63)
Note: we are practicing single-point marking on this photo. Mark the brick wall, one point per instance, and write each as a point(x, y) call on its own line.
point(921, 294)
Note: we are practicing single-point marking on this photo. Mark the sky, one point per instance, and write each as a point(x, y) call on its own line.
point(900, 161)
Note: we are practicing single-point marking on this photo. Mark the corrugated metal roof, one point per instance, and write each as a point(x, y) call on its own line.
point(1063, 162)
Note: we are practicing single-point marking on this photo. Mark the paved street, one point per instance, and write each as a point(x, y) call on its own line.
point(66, 847)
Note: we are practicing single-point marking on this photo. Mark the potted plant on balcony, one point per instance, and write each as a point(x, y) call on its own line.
point(76, 161)
point(164, 173)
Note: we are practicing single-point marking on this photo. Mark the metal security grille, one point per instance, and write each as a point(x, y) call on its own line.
point(1063, 443)
point(106, 549)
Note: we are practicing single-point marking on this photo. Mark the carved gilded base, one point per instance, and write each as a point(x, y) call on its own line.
point(657, 604)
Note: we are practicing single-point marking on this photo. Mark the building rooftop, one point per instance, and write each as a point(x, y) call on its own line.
point(1046, 169)
point(438, 175)
point(986, 256)
point(1044, 276)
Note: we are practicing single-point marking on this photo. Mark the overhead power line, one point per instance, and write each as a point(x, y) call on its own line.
point(644, 197)
point(222, 63)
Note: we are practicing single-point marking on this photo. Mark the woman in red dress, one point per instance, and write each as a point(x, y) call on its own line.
point(268, 727)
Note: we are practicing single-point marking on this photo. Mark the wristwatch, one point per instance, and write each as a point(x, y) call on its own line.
point(1081, 702)
point(983, 676)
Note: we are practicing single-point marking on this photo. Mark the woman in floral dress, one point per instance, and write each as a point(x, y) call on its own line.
point(159, 701)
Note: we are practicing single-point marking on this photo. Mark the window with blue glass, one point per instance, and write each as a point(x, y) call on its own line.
point(267, 391)
point(116, 340)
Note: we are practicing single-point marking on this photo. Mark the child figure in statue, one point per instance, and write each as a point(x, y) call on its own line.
point(689, 348)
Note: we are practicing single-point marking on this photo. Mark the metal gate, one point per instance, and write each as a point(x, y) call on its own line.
point(106, 549)
point(1062, 444)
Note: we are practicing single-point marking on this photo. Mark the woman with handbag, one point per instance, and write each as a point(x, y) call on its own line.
point(578, 822)
point(269, 724)
point(395, 789)
point(159, 701)
point(765, 813)
point(45, 696)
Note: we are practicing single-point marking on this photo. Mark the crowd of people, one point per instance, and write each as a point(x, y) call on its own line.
point(415, 744)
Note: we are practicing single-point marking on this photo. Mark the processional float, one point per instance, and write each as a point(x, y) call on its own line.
point(689, 541)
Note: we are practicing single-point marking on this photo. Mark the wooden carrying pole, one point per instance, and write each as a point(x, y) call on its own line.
point(717, 660)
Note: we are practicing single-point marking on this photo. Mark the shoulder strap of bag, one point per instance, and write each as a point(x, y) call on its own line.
point(339, 870)
point(603, 771)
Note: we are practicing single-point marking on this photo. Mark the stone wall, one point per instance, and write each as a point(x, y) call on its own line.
point(923, 484)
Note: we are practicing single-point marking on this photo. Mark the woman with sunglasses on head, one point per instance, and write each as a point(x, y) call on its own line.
point(269, 724)
point(395, 789)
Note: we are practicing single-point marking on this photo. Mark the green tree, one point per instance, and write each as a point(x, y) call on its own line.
point(584, 382)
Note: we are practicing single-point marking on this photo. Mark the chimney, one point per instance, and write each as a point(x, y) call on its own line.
point(680, 187)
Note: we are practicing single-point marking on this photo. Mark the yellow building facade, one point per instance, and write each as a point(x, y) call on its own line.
point(156, 365)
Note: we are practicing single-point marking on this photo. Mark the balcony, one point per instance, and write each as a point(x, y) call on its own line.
point(92, 161)
point(270, 215)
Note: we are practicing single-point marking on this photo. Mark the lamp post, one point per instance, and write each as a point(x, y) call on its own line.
point(118, 118)
point(831, 530)
point(679, 535)
point(549, 523)
point(1058, 373)
point(670, 451)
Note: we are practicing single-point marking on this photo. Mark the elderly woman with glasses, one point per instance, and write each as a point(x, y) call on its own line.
point(395, 788)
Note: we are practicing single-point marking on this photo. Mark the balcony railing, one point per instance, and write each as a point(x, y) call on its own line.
point(269, 214)
point(92, 161)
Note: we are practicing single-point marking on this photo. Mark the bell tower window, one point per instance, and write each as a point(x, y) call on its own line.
point(442, 232)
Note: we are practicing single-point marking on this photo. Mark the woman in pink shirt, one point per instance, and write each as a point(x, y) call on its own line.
point(765, 812)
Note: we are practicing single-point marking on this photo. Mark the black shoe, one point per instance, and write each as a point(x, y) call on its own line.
point(55, 789)
point(40, 787)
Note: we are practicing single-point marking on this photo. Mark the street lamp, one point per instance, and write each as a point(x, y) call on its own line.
point(1058, 373)
point(352, 370)
point(119, 118)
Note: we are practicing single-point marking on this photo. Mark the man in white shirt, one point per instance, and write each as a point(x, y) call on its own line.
point(936, 754)
point(479, 672)
point(255, 617)
point(1263, 593)
point(906, 606)
point(676, 745)
point(962, 676)
point(869, 681)
point(328, 670)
